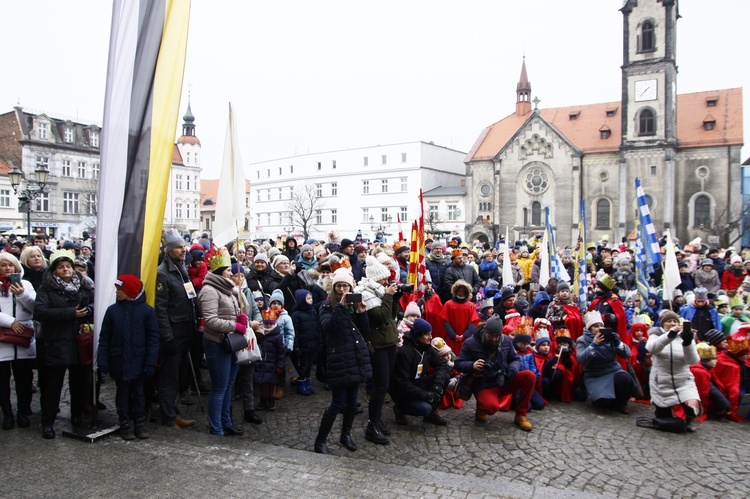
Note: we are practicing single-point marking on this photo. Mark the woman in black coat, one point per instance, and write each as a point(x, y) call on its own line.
point(344, 326)
point(64, 301)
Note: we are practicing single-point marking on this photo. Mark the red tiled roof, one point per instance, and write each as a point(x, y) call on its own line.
point(209, 190)
point(584, 131)
point(176, 156)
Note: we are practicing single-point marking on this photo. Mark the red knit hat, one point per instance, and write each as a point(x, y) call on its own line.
point(129, 284)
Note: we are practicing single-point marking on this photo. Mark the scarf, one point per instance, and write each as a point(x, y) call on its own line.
point(70, 287)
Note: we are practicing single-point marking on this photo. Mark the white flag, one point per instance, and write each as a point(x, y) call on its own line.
point(507, 270)
point(544, 256)
point(671, 270)
point(230, 203)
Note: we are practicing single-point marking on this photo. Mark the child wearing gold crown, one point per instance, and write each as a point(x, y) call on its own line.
point(271, 365)
point(449, 397)
point(715, 404)
point(729, 374)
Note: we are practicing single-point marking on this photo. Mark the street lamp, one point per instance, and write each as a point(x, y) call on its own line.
point(380, 227)
point(27, 195)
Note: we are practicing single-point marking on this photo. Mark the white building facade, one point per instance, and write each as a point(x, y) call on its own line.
point(360, 190)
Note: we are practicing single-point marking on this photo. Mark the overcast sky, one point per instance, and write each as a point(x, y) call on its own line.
point(313, 76)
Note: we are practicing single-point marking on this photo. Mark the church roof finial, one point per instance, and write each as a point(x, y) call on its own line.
point(188, 118)
point(523, 81)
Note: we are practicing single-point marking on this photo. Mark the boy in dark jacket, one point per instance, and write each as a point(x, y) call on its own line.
point(271, 365)
point(306, 338)
point(522, 344)
point(128, 349)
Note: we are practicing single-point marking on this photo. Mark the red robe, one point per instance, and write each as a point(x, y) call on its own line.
point(540, 359)
point(458, 315)
point(726, 376)
point(433, 307)
point(703, 383)
point(616, 305)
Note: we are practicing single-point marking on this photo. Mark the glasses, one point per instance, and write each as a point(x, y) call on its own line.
point(341, 285)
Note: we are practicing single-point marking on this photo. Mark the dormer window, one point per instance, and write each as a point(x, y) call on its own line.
point(711, 101)
point(574, 115)
point(68, 134)
point(611, 112)
point(94, 139)
point(709, 123)
point(605, 132)
point(42, 130)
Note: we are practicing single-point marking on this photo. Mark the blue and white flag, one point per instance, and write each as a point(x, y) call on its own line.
point(556, 267)
point(651, 241)
point(581, 280)
point(641, 263)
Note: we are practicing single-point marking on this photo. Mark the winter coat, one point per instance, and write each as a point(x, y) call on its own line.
point(732, 278)
point(266, 370)
point(727, 376)
point(291, 283)
point(709, 280)
point(306, 323)
point(687, 282)
point(528, 363)
point(381, 314)
point(600, 364)
point(347, 356)
point(505, 359)
point(625, 278)
point(709, 318)
point(261, 281)
point(33, 276)
point(719, 265)
point(197, 272)
point(437, 268)
point(284, 321)
point(489, 270)
point(671, 381)
point(454, 273)
point(24, 315)
point(55, 308)
point(172, 303)
point(410, 384)
point(129, 339)
point(220, 306)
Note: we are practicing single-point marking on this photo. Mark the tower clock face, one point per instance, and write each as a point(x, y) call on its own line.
point(645, 90)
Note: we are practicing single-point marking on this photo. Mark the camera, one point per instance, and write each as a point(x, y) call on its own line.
point(607, 332)
point(500, 379)
point(403, 288)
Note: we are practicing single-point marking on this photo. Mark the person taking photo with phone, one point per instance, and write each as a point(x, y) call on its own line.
point(673, 351)
point(607, 384)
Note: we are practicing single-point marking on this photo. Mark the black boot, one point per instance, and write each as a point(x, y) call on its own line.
point(346, 429)
point(374, 435)
point(126, 429)
point(326, 423)
point(251, 417)
point(140, 428)
point(8, 421)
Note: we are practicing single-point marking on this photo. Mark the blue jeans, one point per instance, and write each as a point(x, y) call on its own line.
point(223, 371)
point(418, 407)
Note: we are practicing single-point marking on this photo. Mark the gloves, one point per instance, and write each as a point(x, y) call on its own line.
point(168, 347)
point(149, 372)
point(687, 336)
point(242, 318)
point(432, 397)
point(240, 327)
point(672, 333)
point(437, 389)
point(509, 375)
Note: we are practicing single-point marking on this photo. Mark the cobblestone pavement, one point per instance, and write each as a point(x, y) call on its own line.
point(573, 451)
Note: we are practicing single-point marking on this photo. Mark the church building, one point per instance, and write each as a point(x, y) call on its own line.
point(684, 148)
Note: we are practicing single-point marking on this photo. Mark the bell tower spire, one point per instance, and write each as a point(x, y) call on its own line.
point(523, 92)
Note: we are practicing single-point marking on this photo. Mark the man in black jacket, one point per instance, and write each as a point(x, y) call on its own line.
point(175, 313)
point(413, 390)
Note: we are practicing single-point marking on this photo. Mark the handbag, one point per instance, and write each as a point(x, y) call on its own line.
point(10, 336)
point(251, 353)
point(234, 342)
point(85, 341)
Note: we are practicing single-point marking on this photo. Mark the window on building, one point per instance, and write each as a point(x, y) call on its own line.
point(365, 187)
point(268, 194)
point(711, 102)
point(365, 215)
point(268, 173)
point(318, 217)
point(646, 39)
point(91, 204)
point(366, 160)
point(433, 211)
point(646, 123)
point(42, 202)
point(384, 215)
point(187, 182)
point(178, 210)
point(319, 190)
point(403, 184)
point(257, 174)
point(95, 171)
point(81, 169)
point(334, 216)
point(178, 182)
point(291, 168)
point(95, 139)
point(278, 193)
point(320, 165)
point(452, 212)
point(384, 185)
point(403, 157)
point(43, 162)
point(4, 198)
point(605, 134)
point(402, 213)
point(68, 135)
point(208, 224)
point(702, 211)
point(70, 202)
point(611, 112)
point(66, 168)
point(383, 159)
point(536, 213)
point(652, 170)
point(333, 164)
point(602, 214)
point(525, 217)
point(709, 123)
point(334, 189)
point(42, 130)
point(279, 171)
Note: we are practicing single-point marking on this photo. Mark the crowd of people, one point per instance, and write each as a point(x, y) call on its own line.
point(341, 310)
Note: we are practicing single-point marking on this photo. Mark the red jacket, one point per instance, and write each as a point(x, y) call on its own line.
point(197, 272)
point(703, 383)
point(726, 376)
point(729, 281)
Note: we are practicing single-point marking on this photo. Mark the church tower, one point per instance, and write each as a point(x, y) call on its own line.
point(523, 92)
point(188, 143)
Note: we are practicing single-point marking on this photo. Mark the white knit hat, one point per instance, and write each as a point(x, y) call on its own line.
point(412, 309)
point(376, 271)
point(592, 318)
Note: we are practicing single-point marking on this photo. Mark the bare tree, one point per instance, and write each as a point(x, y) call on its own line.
point(432, 220)
point(89, 203)
point(729, 225)
point(303, 207)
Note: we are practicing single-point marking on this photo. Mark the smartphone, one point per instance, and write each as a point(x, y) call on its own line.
point(687, 326)
point(15, 278)
point(353, 297)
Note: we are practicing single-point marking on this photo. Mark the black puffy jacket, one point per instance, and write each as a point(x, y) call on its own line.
point(347, 356)
point(404, 384)
point(306, 324)
point(503, 360)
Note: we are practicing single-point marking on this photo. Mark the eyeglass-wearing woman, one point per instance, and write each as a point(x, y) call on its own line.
point(16, 309)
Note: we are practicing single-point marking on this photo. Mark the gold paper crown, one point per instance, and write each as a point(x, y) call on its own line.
point(221, 259)
point(706, 351)
point(524, 325)
point(738, 343)
point(269, 315)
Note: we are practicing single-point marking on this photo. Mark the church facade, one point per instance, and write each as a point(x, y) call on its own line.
point(684, 148)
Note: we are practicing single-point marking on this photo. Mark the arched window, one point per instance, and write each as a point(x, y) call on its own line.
point(602, 214)
point(536, 213)
point(646, 123)
point(702, 211)
point(646, 37)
